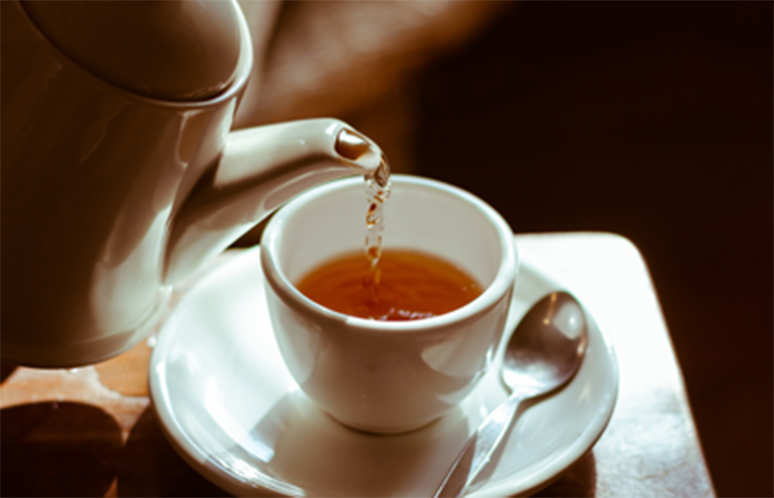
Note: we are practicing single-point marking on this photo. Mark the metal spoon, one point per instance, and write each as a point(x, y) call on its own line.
point(542, 355)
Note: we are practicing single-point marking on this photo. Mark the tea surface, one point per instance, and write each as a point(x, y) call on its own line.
point(407, 285)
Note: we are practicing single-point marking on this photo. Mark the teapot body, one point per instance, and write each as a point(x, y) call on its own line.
point(110, 197)
point(91, 177)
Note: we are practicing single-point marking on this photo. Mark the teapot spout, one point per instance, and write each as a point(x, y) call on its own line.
point(260, 169)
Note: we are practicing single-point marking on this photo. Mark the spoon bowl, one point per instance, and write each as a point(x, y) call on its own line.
point(546, 348)
point(544, 352)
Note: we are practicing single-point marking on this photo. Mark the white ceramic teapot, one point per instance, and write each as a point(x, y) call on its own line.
point(120, 175)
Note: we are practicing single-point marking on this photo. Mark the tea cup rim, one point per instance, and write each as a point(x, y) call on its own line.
point(501, 285)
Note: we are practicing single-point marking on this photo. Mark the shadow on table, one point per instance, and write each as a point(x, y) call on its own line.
point(58, 449)
point(151, 467)
point(6, 370)
point(74, 449)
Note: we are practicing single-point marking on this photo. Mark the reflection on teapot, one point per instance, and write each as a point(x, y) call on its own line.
point(116, 183)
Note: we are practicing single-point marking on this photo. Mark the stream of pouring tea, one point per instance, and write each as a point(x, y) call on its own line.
point(378, 186)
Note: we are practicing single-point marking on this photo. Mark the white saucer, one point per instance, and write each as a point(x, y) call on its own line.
point(232, 411)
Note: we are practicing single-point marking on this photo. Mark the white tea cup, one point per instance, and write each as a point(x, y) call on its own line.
point(388, 376)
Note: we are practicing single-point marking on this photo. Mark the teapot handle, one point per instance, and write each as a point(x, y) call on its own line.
point(259, 170)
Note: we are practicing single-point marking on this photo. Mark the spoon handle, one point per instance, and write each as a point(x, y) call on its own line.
point(479, 448)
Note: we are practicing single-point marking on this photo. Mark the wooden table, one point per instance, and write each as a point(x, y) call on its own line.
point(92, 432)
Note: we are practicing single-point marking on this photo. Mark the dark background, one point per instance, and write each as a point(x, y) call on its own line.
point(654, 121)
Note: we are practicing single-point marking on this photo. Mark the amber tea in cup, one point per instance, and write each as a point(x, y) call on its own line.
point(407, 285)
point(394, 285)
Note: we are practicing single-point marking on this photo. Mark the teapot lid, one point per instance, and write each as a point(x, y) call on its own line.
point(172, 50)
